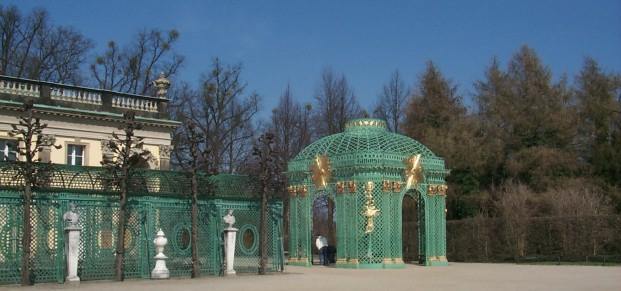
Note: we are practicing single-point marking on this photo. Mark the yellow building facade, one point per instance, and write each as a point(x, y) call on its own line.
point(82, 120)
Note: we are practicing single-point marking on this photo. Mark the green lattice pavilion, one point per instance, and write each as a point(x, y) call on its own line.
point(367, 171)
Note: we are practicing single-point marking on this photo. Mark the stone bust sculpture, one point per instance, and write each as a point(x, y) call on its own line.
point(71, 217)
point(229, 218)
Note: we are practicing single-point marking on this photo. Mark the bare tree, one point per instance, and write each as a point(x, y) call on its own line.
point(290, 124)
point(31, 141)
point(514, 210)
point(223, 115)
point(306, 130)
point(190, 158)
point(286, 121)
point(392, 102)
point(268, 175)
point(128, 156)
point(33, 48)
point(131, 69)
point(336, 104)
point(579, 207)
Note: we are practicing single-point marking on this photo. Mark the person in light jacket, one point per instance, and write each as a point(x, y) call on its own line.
point(322, 245)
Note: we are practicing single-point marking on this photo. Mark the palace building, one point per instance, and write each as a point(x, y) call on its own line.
point(82, 120)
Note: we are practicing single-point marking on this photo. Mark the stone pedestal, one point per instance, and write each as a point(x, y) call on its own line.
point(160, 271)
point(72, 249)
point(230, 235)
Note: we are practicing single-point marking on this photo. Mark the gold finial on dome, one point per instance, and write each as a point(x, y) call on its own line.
point(365, 123)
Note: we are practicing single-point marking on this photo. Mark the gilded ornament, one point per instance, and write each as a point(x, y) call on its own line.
point(351, 186)
point(386, 186)
point(320, 171)
point(370, 210)
point(292, 190)
point(340, 187)
point(413, 171)
point(437, 189)
point(302, 190)
point(442, 189)
point(396, 186)
point(368, 187)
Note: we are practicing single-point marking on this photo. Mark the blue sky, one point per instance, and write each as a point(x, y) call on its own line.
point(282, 42)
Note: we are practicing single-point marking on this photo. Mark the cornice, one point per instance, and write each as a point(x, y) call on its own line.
point(87, 114)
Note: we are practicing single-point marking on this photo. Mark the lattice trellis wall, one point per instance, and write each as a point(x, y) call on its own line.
point(367, 152)
point(96, 180)
point(247, 249)
point(10, 231)
point(99, 220)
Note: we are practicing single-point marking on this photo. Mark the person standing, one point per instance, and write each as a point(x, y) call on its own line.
point(322, 246)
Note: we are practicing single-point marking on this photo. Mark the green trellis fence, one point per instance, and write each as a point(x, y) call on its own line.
point(155, 207)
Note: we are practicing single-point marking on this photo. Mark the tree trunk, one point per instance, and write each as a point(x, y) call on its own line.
point(263, 233)
point(120, 237)
point(285, 221)
point(27, 233)
point(194, 238)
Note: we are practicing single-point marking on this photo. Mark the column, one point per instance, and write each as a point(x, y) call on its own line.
point(229, 249)
point(72, 243)
point(165, 157)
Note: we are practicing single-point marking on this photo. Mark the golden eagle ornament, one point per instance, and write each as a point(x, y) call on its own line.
point(413, 171)
point(320, 169)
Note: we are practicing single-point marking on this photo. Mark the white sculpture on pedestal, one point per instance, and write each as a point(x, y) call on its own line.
point(230, 234)
point(160, 271)
point(72, 243)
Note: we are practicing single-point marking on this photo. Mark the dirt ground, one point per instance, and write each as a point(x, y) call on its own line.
point(457, 276)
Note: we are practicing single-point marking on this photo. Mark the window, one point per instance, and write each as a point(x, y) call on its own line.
point(75, 155)
point(8, 150)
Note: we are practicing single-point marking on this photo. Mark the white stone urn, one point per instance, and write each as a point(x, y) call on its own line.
point(160, 271)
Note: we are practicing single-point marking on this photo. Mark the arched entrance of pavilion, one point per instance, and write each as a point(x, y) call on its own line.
point(412, 227)
point(324, 224)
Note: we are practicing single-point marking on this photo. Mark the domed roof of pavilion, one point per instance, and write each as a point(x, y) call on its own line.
point(365, 142)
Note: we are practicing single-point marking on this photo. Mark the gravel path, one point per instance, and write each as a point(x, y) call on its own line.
point(457, 276)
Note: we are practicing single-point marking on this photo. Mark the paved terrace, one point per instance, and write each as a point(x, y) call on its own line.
point(457, 276)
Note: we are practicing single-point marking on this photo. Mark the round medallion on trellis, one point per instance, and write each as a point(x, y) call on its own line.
point(248, 242)
point(182, 238)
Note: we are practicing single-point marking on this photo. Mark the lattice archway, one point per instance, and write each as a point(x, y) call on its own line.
point(368, 171)
point(323, 220)
point(410, 230)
